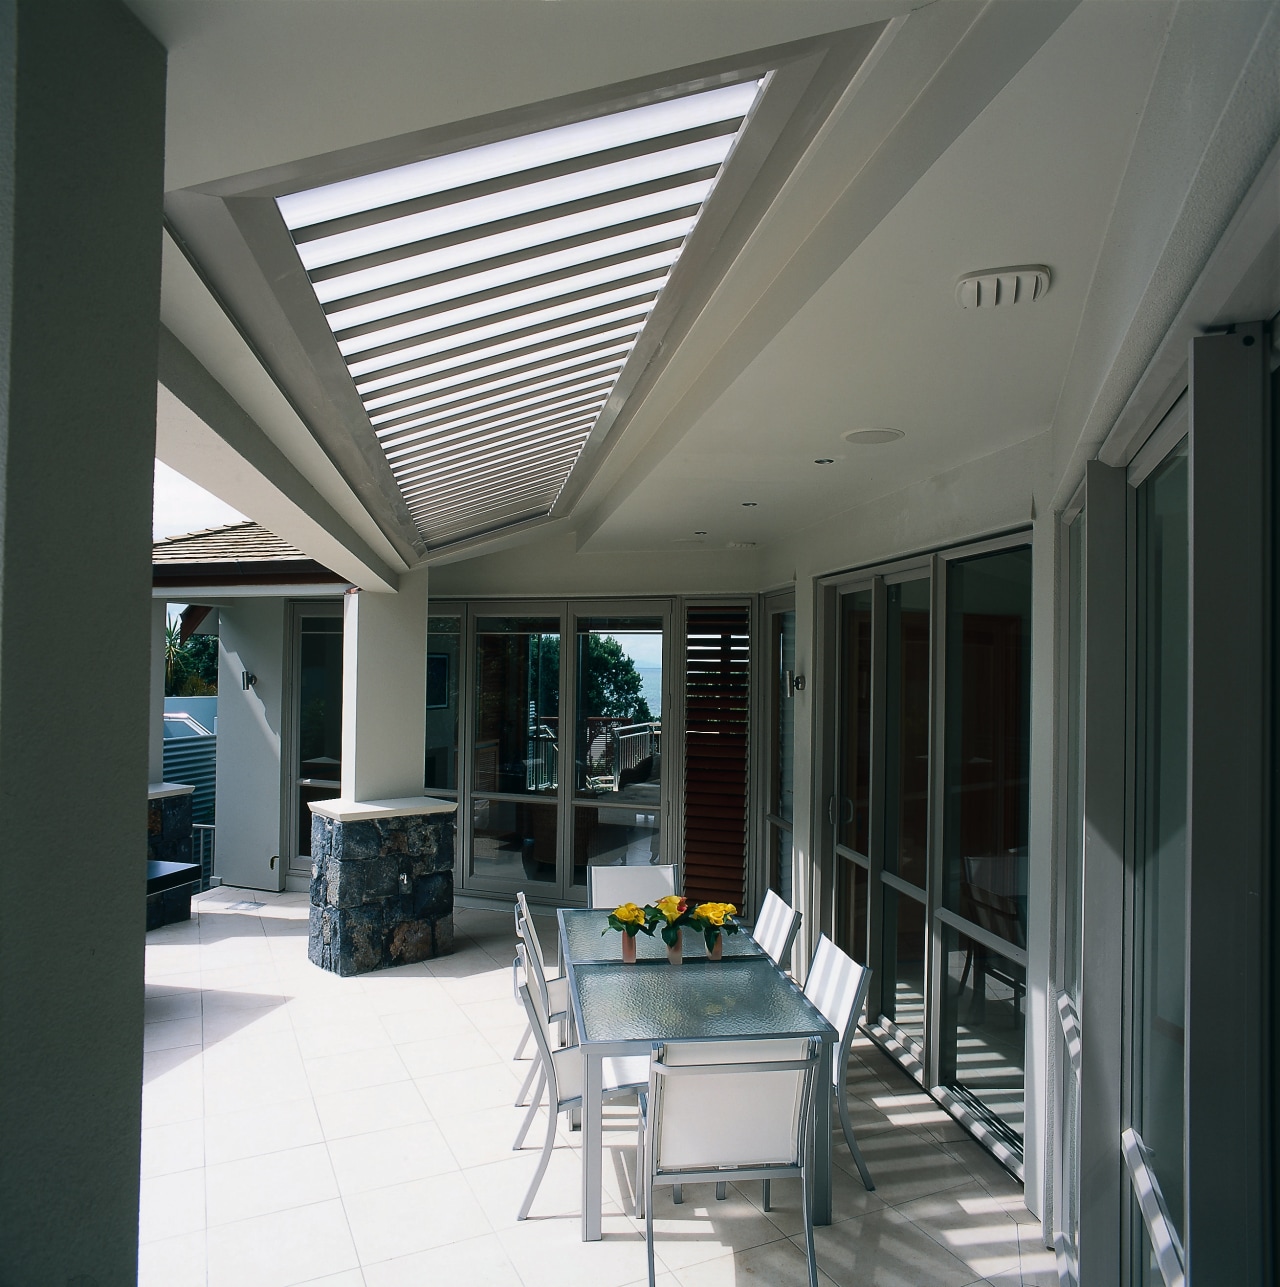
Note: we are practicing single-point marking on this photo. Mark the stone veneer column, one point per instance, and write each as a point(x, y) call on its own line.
point(381, 882)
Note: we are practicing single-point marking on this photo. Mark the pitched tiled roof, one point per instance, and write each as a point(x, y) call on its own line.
point(246, 542)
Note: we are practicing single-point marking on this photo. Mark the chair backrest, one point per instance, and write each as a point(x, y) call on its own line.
point(529, 950)
point(837, 986)
point(528, 931)
point(730, 1103)
point(776, 928)
point(536, 1008)
point(612, 886)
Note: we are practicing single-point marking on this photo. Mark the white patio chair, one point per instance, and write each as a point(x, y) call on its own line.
point(554, 989)
point(729, 1110)
point(612, 886)
point(776, 928)
point(837, 985)
point(561, 1073)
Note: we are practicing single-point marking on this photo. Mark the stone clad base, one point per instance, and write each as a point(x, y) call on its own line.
point(381, 891)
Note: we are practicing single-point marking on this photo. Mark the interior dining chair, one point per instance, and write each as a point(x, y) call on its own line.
point(561, 1074)
point(776, 928)
point(553, 988)
point(837, 985)
point(723, 1111)
point(612, 886)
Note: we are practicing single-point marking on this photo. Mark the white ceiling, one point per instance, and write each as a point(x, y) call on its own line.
point(976, 136)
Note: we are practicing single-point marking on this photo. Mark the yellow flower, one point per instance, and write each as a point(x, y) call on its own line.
point(671, 907)
point(630, 914)
point(714, 913)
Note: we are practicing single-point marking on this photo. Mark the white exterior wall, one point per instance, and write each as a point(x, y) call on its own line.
point(252, 637)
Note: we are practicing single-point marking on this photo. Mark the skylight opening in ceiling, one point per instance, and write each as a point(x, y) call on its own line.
point(486, 302)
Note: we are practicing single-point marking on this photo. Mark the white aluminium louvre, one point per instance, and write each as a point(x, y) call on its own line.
point(485, 302)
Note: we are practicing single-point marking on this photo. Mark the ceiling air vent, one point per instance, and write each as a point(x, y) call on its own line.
point(995, 286)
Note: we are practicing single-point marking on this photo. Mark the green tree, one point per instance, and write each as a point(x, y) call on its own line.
point(191, 668)
point(608, 682)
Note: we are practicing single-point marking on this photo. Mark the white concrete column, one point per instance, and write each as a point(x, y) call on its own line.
point(384, 691)
point(82, 101)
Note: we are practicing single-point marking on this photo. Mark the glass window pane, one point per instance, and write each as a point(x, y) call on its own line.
point(626, 835)
point(855, 720)
point(513, 841)
point(1160, 893)
point(517, 720)
point(851, 910)
point(982, 1042)
point(444, 641)
point(319, 718)
point(988, 740)
point(1073, 840)
point(903, 968)
point(780, 848)
point(906, 848)
point(619, 708)
point(783, 789)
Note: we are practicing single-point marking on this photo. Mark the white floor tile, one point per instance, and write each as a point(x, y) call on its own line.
point(233, 1136)
point(477, 1262)
point(381, 1158)
point(416, 1216)
point(282, 1249)
point(257, 1186)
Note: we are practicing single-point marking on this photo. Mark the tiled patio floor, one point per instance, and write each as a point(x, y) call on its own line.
point(301, 1128)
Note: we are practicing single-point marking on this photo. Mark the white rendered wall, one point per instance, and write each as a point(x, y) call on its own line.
point(384, 691)
point(251, 637)
point(81, 168)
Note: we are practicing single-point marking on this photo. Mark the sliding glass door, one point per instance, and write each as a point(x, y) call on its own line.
point(930, 745)
point(544, 720)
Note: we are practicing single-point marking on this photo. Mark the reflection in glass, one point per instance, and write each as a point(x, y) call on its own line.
point(517, 718)
point(906, 814)
point(1160, 894)
point(981, 1047)
point(782, 788)
point(513, 841)
point(619, 705)
point(319, 718)
point(444, 636)
point(904, 951)
point(617, 741)
point(855, 720)
point(988, 741)
point(1072, 883)
point(614, 835)
point(781, 850)
point(851, 909)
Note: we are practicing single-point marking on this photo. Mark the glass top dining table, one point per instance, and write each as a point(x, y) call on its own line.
point(623, 1009)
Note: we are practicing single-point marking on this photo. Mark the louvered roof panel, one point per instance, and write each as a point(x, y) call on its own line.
point(485, 302)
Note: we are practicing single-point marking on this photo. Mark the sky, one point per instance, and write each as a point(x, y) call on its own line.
point(181, 507)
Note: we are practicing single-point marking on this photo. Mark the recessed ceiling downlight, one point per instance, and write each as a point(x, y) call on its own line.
point(870, 437)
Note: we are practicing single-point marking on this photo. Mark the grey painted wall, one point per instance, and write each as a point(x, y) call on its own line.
point(81, 152)
point(251, 637)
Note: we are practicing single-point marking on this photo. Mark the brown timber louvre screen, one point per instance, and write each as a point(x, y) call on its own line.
point(717, 708)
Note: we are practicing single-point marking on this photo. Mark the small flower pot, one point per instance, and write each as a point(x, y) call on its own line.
point(716, 950)
point(675, 951)
point(628, 948)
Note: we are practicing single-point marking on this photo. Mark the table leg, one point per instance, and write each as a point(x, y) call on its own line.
point(592, 1144)
point(822, 1139)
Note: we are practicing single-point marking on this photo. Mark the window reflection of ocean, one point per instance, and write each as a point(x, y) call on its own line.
point(652, 690)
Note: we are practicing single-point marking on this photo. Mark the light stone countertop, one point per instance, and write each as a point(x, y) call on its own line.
point(342, 810)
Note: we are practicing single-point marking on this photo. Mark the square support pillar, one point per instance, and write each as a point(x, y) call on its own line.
point(82, 98)
point(384, 691)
